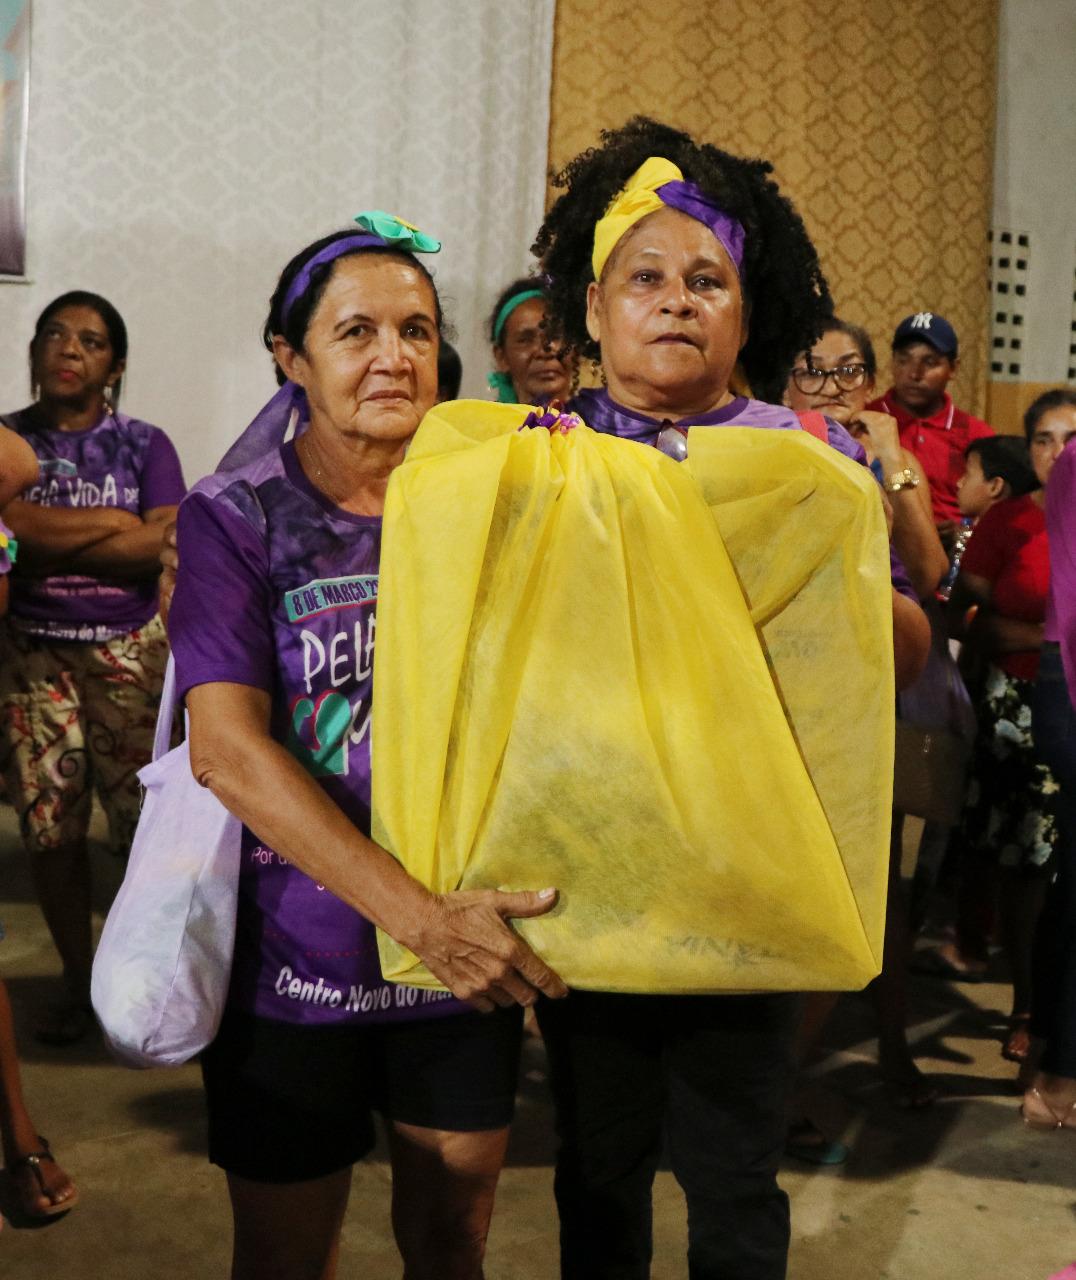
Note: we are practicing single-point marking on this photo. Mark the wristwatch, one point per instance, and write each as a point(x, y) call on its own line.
point(906, 479)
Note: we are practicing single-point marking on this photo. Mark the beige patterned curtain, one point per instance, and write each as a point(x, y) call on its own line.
point(878, 118)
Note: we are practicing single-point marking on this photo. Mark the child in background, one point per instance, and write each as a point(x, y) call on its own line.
point(995, 468)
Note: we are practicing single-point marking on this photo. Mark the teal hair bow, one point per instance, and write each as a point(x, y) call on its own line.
point(395, 232)
point(502, 384)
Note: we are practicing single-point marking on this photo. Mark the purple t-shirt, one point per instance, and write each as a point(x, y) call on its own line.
point(601, 412)
point(121, 462)
point(277, 589)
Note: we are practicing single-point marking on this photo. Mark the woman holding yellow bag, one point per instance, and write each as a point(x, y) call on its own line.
point(672, 261)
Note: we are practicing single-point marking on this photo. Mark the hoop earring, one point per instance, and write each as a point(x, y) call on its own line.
point(106, 395)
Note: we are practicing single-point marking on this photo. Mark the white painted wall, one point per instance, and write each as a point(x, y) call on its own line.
point(1035, 170)
point(181, 153)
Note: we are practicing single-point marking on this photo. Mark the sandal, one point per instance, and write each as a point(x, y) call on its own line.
point(1040, 1114)
point(30, 1184)
point(65, 1023)
point(1017, 1044)
point(806, 1141)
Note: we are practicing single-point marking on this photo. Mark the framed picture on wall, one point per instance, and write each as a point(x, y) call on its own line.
point(14, 118)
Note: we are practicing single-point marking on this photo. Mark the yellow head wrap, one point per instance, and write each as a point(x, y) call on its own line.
point(637, 198)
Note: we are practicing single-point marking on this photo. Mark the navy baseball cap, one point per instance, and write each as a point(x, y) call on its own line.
point(927, 326)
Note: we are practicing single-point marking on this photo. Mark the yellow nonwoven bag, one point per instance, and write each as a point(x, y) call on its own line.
point(666, 689)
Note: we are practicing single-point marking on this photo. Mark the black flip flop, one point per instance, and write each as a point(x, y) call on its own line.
point(33, 1160)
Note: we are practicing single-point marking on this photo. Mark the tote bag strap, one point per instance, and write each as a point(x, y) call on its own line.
point(814, 423)
point(162, 738)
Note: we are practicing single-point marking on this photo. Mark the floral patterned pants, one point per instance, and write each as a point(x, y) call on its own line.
point(78, 717)
point(1010, 811)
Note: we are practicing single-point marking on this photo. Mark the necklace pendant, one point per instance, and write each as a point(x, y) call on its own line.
point(672, 442)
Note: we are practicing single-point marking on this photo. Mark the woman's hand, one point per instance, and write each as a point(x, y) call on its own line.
point(908, 511)
point(883, 435)
point(466, 943)
point(169, 564)
point(462, 937)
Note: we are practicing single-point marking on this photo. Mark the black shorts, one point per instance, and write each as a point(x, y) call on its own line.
point(288, 1103)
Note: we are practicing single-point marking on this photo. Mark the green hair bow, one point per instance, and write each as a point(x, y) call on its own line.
point(395, 232)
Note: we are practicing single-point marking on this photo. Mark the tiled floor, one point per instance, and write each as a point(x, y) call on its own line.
point(962, 1190)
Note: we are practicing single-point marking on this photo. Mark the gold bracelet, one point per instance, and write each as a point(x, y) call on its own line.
point(906, 479)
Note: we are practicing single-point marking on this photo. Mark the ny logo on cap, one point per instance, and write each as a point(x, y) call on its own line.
point(922, 320)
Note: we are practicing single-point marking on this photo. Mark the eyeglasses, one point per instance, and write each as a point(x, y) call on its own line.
point(846, 377)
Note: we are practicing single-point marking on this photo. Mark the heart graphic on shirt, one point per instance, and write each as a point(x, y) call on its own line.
point(317, 735)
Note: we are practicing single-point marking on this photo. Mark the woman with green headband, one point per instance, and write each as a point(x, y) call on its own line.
point(681, 269)
point(273, 629)
point(530, 368)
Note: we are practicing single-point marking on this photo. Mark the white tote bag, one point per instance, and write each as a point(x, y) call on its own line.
point(160, 976)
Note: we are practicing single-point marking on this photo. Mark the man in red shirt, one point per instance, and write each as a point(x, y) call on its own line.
point(931, 426)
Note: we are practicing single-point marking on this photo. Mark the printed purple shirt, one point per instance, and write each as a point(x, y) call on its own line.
point(601, 412)
point(120, 462)
point(278, 590)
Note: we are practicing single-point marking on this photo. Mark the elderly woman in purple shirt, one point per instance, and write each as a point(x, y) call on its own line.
point(85, 650)
point(671, 262)
point(273, 628)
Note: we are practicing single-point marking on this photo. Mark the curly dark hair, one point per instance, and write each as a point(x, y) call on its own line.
point(781, 276)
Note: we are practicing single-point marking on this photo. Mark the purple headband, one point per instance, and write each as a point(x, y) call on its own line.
point(692, 200)
point(288, 408)
point(299, 286)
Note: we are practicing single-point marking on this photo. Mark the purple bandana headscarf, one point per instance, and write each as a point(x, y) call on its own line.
point(692, 200)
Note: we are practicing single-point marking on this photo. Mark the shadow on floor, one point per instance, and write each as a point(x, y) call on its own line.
point(180, 1112)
